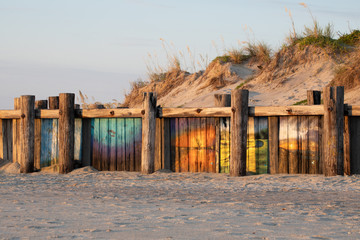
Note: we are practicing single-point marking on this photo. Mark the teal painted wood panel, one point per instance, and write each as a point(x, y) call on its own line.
point(46, 142)
point(116, 144)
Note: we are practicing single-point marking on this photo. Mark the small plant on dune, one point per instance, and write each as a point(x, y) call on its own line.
point(259, 51)
point(237, 56)
point(350, 39)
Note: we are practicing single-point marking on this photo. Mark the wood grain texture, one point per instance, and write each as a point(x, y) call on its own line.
point(27, 125)
point(283, 146)
point(274, 144)
point(333, 131)
point(354, 125)
point(239, 124)
point(10, 114)
point(108, 113)
point(121, 144)
point(148, 134)
point(66, 132)
point(224, 145)
point(184, 144)
point(210, 143)
point(137, 143)
point(293, 145)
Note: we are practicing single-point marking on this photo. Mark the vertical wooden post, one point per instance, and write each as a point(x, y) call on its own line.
point(66, 132)
point(273, 145)
point(40, 104)
point(27, 133)
point(16, 133)
point(333, 131)
point(220, 100)
point(239, 124)
point(347, 151)
point(148, 133)
point(54, 102)
point(313, 97)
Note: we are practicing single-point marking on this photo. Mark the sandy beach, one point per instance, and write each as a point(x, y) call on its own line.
point(87, 204)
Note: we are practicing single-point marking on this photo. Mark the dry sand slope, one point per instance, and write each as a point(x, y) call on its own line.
point(124, 205)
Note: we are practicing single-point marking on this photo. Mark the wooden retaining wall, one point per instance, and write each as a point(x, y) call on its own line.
point(278, 139)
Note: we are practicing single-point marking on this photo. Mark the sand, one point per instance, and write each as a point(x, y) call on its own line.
point(89, 204)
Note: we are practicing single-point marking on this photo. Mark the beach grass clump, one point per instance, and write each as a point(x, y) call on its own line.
point(350, 39)
point(260, 51)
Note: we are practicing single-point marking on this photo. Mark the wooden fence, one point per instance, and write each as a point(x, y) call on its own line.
point(292, 139)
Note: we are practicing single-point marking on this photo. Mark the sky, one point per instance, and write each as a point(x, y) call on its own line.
point(49, 47)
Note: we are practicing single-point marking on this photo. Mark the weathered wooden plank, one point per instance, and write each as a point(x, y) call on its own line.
point(158, 145)
point(184, 144)
point(148, 136)
point(78, 140)
point(203, 161)
point(129, 148)
point(283, 146)
point(313, 97)
point(46, 113)
point(27, 133)
point(286, 111)
point(194, 124)
point(96, 144)
point(104, 144)
point(321, 145)
point(112, 144)
point(46, 142)
point(224, 145)
point(273, 144)
point(10, 114)
point(86, 142)
point(37, 143)
point(177, 148)
point(138, 143)
point(173, 142)
point(210, 145)
point(120, 144)
point(314, 145)
point(109, 113)
point(303, 137)
point(238, 137)
point(195, 112)
point(55, 142)
point(334, 131)
point(354, 145)
point(7, 139)
point(262, 143)
point(293, 147)
point(251, 155)
point(347, 165)
point(66, 132)
point(165, 143)
point(217, 144)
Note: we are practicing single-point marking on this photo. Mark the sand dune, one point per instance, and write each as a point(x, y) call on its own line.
point(127, 205)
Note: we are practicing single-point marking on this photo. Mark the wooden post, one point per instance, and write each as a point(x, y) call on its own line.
point(313, 97)
point(148, 133)
point(333, 131)
point(16, 133)
point(347, 149)
point(273, 144)
point(239, 124)
point(40, 104)
point(220, 100)
point(54, 102)
point(27, 133)
point(66, 132)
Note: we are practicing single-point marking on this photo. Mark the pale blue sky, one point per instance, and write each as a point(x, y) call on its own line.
point(99, 46)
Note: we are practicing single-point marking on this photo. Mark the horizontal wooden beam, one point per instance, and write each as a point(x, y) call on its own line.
point(108, 113)
point(313, 110)
point(10, 114)
point(46, 113)
point(195, 112)
point(253, 111)
point(352, 111)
